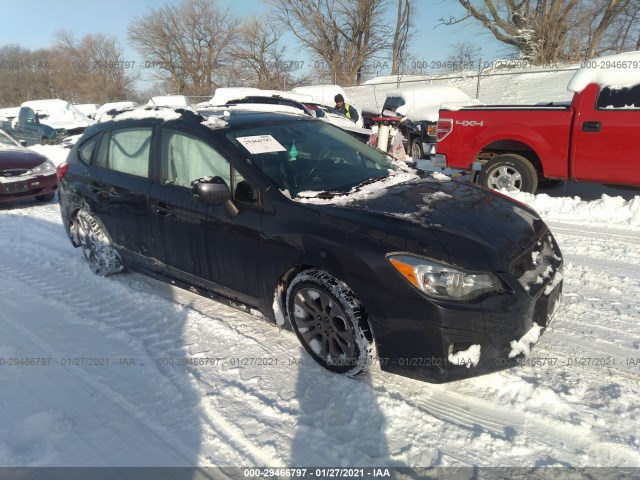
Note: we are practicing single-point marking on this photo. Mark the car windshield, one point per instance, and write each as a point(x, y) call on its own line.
point(6, 141)
point(310, 156)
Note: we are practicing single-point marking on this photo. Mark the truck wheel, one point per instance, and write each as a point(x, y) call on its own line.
point(509, 171)
point(416, 148)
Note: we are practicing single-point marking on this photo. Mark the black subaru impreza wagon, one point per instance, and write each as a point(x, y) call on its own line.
point(365, 258)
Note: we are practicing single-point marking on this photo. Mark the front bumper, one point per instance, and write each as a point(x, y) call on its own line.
point(438, 354)
point(440, 341)
point(14, 188)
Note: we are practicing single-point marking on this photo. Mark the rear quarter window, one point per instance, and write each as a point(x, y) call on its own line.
point(85, 151)
point(619, 98)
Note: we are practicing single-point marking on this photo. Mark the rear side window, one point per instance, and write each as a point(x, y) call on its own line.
point(126, 151)
point(619, 98)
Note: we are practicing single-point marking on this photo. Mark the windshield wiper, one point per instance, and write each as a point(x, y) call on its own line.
point(369, 181)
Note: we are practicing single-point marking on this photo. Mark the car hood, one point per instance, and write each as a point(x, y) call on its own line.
point(11, 158)
point(452, 221)
point(64, 123)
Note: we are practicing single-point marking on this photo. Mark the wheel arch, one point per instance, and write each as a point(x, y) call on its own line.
point(279, 307)
point(506, 146)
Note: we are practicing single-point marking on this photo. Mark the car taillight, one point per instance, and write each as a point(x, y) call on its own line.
point(62, 170)
point(444, 128)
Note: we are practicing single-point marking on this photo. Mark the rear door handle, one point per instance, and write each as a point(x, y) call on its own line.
point(161, 208)
point(591, 127)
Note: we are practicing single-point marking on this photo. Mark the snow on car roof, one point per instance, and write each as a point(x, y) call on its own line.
point(165, 114)
point(169, 101)
point(257, 107)
point(618, 71)
point(424, 101)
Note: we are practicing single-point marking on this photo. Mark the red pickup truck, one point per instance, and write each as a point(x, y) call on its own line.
point(594, 139)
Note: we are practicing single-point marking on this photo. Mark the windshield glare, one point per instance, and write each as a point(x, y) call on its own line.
point(310, 156)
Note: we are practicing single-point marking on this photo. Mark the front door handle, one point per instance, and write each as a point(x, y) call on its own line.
point(592, 127)
point(161, 208)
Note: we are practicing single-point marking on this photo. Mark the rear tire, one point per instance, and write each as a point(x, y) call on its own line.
point(510, 171)
point(330, 322)
point(87, 233)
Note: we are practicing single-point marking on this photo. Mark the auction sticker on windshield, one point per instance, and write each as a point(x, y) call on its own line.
point(261, 144)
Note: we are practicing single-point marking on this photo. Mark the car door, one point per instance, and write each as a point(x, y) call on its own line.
point(28, 127)
point(212, 245)
point(606, 137)
point(118, 186)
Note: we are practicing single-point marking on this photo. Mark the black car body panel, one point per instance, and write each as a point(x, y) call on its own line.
point(248, 251)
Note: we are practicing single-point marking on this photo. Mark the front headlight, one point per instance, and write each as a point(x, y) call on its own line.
point(442, 281)
point(46, 167)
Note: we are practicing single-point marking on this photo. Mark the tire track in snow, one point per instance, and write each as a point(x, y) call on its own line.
point(103, 311)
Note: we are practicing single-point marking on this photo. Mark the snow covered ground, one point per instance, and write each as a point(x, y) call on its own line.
point(127, 371)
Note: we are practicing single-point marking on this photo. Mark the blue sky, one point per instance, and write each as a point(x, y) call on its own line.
point(32, 24)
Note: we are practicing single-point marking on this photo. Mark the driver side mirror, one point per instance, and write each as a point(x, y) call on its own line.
point(210, 190)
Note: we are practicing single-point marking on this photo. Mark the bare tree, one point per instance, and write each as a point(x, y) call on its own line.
point(260, 57)
point(401, 35)
point(186, 43)
point(544, 31)
point(463, 56)
point(92, 69)
point(344, 34)
point(624, 34)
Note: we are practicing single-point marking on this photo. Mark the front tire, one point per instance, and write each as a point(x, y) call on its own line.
point(509, 171)
point(87, 233)
point(330, 322)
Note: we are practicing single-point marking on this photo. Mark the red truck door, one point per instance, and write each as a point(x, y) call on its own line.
point(606, 136)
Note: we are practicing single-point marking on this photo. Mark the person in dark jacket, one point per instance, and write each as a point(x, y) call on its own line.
point(347, 110)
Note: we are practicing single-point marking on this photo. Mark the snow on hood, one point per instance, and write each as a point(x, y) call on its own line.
point(55, 153)
point(59, 114)
point(617, 71)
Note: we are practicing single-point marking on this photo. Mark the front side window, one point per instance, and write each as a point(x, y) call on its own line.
point(186, 158)
point(128, 151)
point(619, 98)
